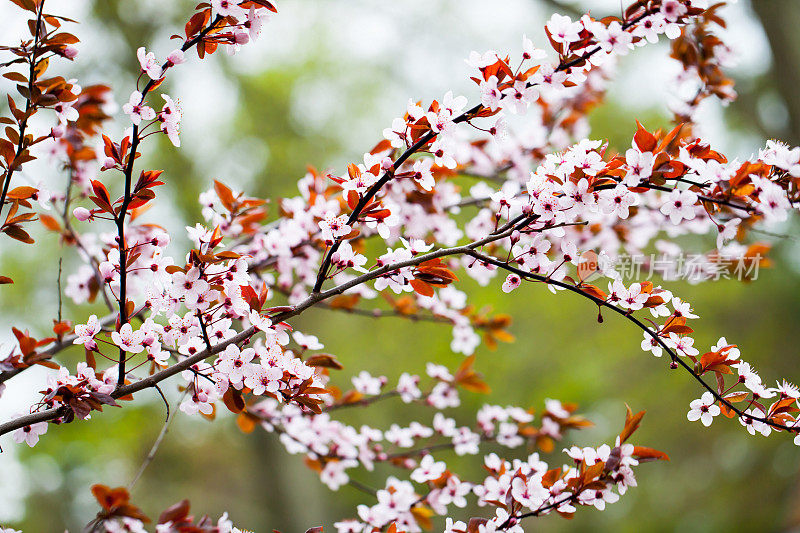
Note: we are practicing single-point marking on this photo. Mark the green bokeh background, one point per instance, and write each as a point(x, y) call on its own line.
point(718, 478)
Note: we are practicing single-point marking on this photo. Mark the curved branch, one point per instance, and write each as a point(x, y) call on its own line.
point(625, 313)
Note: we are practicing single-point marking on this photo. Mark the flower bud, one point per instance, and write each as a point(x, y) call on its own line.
point(81, 213)
point(70, 52)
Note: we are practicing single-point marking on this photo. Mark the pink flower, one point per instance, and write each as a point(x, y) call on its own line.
point(562, 29)
point(148, 63)
point(683, 344)
point(30, 434)
point(422, 173)
point(649, 344)
point(227, 8)
point(127, 339)
point(454, 527)
point(640, 166)
point(614, 39)
point(308, 342)
point(634, 298)
point(672, 10)
point(85, 333)
point(260, 322)
point(235, 363)
point(679, 205)
point(254, 22)
point(367, 384)
point(264, 379)
point(618, 201)
point(512, 282)
point(65, 112)
point(334, 227)
point(408, 387)
point(428, 470)
point(518, 98)
point(490, 94)
point(397, 133)
point(137, 110)
point(170, 118)
point(175, 57)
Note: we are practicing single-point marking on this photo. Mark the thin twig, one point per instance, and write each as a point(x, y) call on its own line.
point(164, 429)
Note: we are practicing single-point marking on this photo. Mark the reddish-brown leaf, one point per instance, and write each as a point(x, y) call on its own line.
point(420, 287)
point(649, 454)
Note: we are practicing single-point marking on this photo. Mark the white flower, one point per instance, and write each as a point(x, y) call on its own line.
point(127, 339)
point(85, 333)
point(679, 205)
point(428, 470)
point(30, 434)
point(365, 383)
point(260, 322)
point(703, 409)
point(649, 344)
point(136, 109)
point(148, 63)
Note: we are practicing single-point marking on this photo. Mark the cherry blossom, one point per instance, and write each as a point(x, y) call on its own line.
point(428, 470)
point(562, 29)
point(149, 65)
point(679, 205)
point(703, 409)
point(85, 333)
point(127, 339)
point(30, 434)
point(512, 282)
point(136, 110)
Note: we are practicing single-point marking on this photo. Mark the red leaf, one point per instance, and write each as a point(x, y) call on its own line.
point(649, 454)
point(421, 287)
point(644, 140)
point(632, 422)
point(175, 513)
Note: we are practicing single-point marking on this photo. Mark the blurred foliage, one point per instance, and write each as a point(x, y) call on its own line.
point(717, 479)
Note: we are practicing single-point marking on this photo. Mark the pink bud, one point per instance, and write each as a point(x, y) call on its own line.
point(242, 37)
point(70, 52)
point(176, 57)
point(109, 163)
point(81, 213)
point(57, 131)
